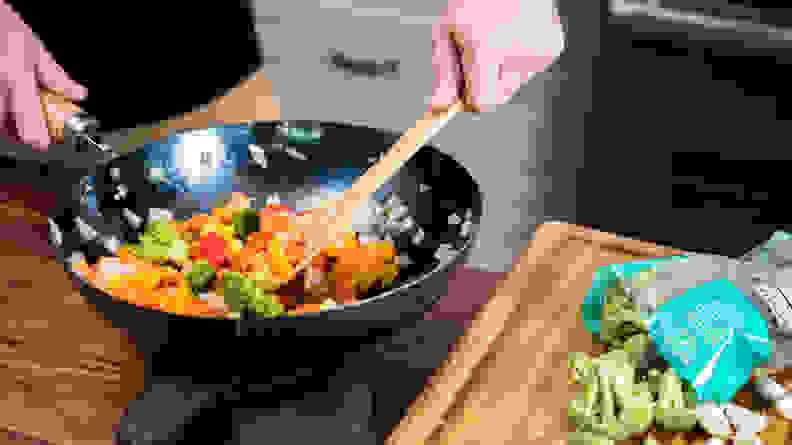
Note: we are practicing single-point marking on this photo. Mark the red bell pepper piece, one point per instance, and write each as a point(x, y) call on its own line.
point(213, 249)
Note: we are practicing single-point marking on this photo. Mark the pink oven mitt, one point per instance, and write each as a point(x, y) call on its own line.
point(509, 41)
point(27, 67)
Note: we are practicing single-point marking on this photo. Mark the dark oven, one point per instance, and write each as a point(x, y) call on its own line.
point(756, 23)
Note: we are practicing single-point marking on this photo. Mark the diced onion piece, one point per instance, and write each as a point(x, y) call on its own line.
point(367, 238)
point(745, 421)
point(784, 406)
point(160, 214)
point(713, 419)
point(113, 266)
point(769, 388)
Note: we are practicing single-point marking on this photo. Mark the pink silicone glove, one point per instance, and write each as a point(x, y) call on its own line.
point(27, 67)
point(505, 43)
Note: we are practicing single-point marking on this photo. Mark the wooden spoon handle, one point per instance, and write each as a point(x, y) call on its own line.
point(465, 59)
point(401, 152)
point(337, 215)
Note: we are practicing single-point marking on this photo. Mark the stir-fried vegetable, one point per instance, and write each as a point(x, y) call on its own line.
point(241, 292)
point(161, 243)
point(201, 276)
point(237, 259)
point(673, 411)
point(611, 406)
point(630, 387)
point(245, 222)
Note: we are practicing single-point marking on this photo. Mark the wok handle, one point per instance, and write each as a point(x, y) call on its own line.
point(68, 122)
point(75, 151)
point(57, 110)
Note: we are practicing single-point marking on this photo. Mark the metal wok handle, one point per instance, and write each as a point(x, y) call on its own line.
point(76, 151)
point(80, 130)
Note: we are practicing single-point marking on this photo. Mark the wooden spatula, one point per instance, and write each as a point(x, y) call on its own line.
point(334, 217)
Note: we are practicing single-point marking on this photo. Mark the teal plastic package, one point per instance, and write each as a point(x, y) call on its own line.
point(715, 342)
point(713, 337)
point(611, 277)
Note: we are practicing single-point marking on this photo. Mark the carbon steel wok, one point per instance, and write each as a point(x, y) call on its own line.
point(295, 162)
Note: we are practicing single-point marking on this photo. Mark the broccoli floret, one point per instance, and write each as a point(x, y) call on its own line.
point(160, 243)
point(636, 346)
point(583, 408)
point(240, 293)
point(619, 372)
point(671, 411)
point(637, 412)
point(581, 365)
point(610, 406)
point(635, 405)
point(587, 438)
point(619, 324)
point(617, 297)
point(653, 379)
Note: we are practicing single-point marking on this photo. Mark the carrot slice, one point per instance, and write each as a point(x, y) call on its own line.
point(225, 215)
point(276, 222)
point(294, 252)
point(306, 308)
point(383, 250)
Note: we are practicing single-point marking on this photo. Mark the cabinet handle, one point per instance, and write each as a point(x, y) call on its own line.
point(363, 67)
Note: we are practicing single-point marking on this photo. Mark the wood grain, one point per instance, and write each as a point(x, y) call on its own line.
point(65, 372)
point(327, 223)
point(507, 380)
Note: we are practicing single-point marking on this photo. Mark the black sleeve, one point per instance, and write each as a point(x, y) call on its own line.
point(148, 60)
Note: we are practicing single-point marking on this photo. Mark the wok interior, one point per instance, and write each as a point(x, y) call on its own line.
point(195, 171)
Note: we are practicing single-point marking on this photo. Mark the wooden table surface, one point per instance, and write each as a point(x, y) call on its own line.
point(65, 372)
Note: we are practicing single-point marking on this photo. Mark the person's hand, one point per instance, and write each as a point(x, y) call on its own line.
point(27, 67)
point(502, 44)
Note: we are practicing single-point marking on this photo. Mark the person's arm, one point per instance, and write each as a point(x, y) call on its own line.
point(155, 64)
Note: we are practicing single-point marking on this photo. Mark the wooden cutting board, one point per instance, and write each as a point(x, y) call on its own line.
point(507, 380)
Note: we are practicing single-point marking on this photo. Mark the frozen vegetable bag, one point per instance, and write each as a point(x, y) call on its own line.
point(703, 316)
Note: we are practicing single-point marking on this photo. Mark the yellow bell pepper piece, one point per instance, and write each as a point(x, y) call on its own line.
point(347, 241)
point(236, 246)
point(210, 228)
point(116, 282)
point(228, 233)
point(280, 264)
point(177, 302)
point(225, 215)
point(224, 231)
point(152, 281)
point(384, 250)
